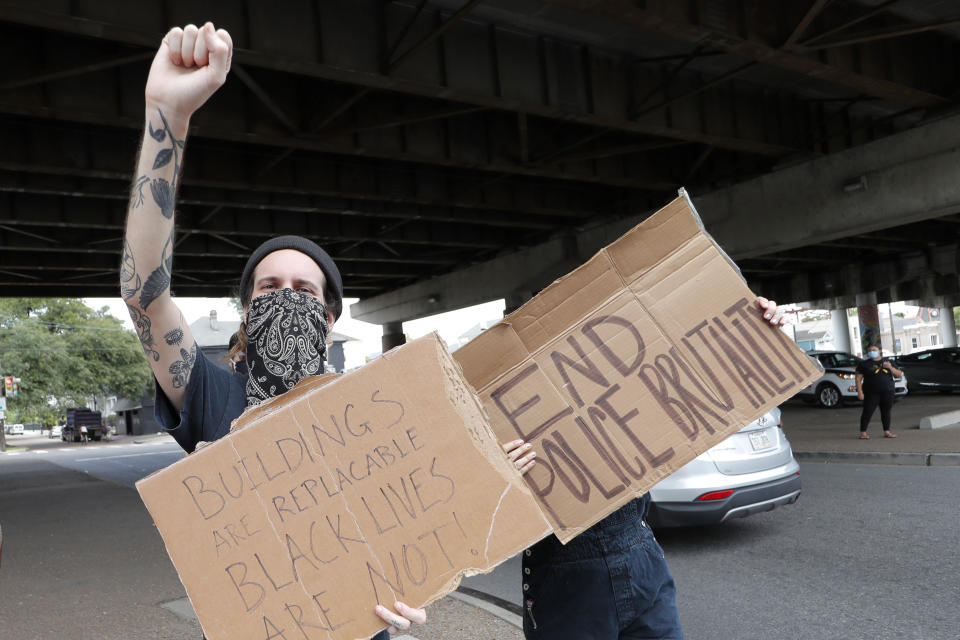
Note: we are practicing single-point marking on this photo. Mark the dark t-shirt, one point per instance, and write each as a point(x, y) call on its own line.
point(876, 379)
point(214, 398)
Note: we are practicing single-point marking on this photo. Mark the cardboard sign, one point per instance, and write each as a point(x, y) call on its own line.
point(630, 366)
point(385, 484)
point(389, 483)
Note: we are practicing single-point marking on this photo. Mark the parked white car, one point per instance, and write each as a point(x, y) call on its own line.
point(838, 384)
point(750, 472)
point(14, 429)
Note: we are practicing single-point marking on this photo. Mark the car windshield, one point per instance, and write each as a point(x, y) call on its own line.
point(846, 360)
point(838, 360)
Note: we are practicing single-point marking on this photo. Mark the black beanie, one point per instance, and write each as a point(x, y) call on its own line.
point(334, 287)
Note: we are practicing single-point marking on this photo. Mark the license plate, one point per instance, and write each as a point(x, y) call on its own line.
point(759, 440)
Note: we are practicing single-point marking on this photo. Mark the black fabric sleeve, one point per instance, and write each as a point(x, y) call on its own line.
point(202, 412)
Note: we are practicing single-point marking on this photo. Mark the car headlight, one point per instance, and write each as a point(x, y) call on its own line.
point(846, 376)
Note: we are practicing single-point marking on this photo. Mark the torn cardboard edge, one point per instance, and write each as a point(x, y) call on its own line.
point(637, 269)
point(502, 495)
point(502, 522)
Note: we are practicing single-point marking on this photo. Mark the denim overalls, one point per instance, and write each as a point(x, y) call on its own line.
point(611, 582)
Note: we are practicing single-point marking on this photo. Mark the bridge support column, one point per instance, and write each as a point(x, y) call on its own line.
point(515, 300)
point(948, 327)
point(869, 317)
point(840, 329)
point(392, 336)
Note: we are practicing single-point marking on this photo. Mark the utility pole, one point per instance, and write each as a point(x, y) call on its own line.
point(893, 337)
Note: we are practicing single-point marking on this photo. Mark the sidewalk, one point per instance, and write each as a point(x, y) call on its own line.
point(831, 435)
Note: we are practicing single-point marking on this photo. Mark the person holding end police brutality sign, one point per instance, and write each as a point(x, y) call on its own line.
point(611, 582)
point(289, 285)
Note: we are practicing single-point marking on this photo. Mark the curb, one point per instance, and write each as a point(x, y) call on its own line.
point(875, 457)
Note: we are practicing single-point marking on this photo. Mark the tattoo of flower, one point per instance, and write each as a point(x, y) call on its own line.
point(174, 337)
point(142, 324)
point(163, 195)
point(129, 280)
point(180, 369)
point(157, 134)
point(163, 191)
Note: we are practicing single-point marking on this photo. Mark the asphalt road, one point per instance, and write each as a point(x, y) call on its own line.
point(869, 551)
point(121, 464)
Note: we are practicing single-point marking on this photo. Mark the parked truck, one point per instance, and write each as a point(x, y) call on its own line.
point(77, 418)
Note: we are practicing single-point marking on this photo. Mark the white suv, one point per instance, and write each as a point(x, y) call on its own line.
point(750, 472)
point(839, 380)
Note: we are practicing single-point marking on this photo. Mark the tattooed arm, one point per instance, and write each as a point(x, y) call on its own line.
point(189, 67)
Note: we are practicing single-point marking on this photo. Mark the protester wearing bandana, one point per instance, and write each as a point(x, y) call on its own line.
point(290, 289)
point(291, 292)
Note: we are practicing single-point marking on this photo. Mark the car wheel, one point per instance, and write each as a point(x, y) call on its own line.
point(828, 396)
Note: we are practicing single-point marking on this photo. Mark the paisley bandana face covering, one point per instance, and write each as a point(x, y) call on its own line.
point(286, 342)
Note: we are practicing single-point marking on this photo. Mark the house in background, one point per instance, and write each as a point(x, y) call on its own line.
point(919, 333)
point(213, 337)
point(911, 333)
point(814, 337)
point(135, 417)
point(472, 333)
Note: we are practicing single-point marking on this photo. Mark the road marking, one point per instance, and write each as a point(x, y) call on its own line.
point(128, 455)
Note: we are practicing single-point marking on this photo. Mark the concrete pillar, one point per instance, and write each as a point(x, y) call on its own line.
point(948, 328)
point(392, 336)
point(515, 300)
point(869, 317)
point(840, 329)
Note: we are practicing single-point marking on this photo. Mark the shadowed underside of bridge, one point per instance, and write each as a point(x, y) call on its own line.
point(422, 141)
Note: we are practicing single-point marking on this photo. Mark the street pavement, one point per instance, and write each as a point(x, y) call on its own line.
point(82, 559)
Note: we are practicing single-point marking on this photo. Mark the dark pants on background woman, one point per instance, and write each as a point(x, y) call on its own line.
point(872, 400)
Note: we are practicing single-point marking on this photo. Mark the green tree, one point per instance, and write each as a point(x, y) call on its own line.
point(64, 352)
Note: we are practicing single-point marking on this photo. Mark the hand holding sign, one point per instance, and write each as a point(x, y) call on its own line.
point(520, 455)
point(770, 312)
point(400, 622)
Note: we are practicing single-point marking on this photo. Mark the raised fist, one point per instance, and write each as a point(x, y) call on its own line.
point(189, 67)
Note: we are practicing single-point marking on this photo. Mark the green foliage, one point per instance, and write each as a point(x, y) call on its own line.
point(64, 352)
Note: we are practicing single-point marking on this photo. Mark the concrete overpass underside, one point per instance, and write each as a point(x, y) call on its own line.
point(448, 152)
